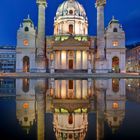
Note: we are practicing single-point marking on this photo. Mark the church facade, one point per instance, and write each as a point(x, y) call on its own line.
point(70, 49)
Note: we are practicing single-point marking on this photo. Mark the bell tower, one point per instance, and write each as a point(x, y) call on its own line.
point(40, 54)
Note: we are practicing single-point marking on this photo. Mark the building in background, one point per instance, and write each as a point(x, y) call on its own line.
point(133, 59)
point(7, 59)
point(7, 87)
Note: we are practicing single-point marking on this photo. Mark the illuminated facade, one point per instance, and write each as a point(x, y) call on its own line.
point(70, 49)
point(70, 107)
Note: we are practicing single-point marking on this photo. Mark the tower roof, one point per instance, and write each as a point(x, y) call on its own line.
point(113, 20)
point(28, 20)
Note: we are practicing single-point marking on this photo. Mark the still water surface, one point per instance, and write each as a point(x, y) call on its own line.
point(69, 109)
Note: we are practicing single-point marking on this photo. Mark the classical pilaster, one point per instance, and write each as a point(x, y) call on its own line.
point(81, 60)
point(75, 59)
point(67, 60)
point(60, 59)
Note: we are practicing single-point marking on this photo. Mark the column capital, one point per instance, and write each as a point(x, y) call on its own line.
point(100, 3)
point(42, 2)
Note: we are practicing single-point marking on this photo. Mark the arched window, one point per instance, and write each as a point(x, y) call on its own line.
point(26, 29)
point(70, 119)
point(115, 30)
point(71, 29)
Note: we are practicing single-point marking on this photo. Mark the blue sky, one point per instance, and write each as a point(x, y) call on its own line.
point(12, 13)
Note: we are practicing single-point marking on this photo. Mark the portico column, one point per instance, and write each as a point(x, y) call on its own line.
point(75, 59)
point(67, 90)
point(60, 60)
point(74, 88)
point(67, 60)
point(81, 60)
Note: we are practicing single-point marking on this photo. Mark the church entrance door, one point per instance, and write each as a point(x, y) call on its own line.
point(26, 64)
point(115, 64)
point(71, 64)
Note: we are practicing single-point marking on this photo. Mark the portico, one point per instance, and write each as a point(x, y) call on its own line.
point(71, 55)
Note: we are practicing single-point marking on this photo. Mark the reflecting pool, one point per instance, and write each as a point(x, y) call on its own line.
point(69, 109)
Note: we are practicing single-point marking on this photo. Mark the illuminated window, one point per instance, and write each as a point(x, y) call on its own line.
point(25, 42)
point(25, 105)
point(115, 105)
point(71, 29)
point(115, 43)
point(70, 119)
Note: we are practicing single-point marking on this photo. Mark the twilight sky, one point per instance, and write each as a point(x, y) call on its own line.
point(12, 13)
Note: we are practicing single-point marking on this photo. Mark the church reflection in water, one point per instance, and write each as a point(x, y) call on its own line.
point(70, 102)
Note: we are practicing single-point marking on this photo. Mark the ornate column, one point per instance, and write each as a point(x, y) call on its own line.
point(41, 56)
point(40, 90)
point(81, 60)
point(100, 90)
point(100, 29)
point(101, 62)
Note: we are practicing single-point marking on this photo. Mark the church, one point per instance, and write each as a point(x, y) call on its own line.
point(70, 48)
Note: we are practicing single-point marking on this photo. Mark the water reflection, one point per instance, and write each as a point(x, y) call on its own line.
point(66, 109)
point(70, 102)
